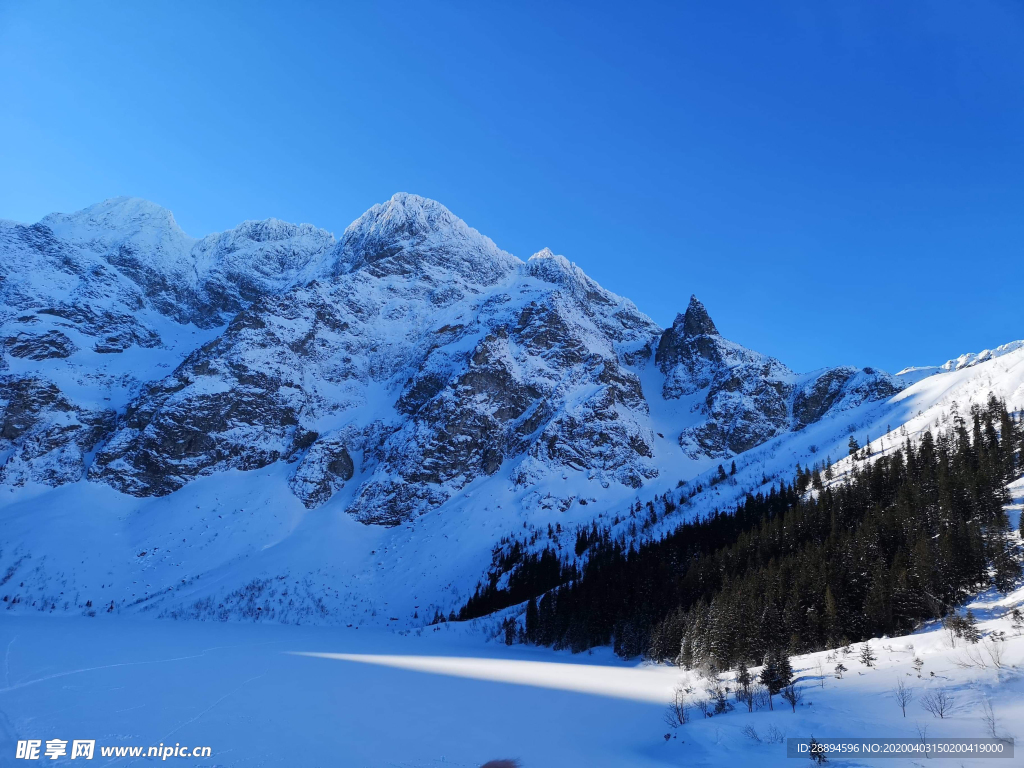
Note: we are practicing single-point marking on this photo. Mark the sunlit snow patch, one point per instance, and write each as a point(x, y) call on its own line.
point(647, 684)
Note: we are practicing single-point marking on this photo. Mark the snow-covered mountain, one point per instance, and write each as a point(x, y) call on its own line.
point(365, 418)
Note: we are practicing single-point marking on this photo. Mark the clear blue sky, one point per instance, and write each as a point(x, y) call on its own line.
point(839, 182)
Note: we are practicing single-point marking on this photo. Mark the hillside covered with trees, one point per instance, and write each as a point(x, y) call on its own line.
point(822, 562)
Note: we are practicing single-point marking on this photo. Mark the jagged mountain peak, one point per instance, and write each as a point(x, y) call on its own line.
point(132, 252)
point(412, 233)
point(694, 341)
point(696, 321)
point(406, 219)
point(974, 358)
point(547, 253)
point(411, 216)
point(750, 397)
point(551, 267)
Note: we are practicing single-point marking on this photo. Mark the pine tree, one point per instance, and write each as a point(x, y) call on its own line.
point(970, 628)
point(832, 627)
point(1018, 620)
point(769, 674)
point(743, 677)
point(817, 752)
point(1006, 567)
point(531, 620)
point(685, 658)
point(776, 674)
point(854, 445)
point(785, 671)
point(867, 656)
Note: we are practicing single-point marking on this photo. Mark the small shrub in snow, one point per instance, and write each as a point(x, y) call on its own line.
point(792, 695)
point(903, 694)
point(705, 707)
point(994, 651)
point(718, 701)
point(679, 710)
point(760, 696)
point(938, 703)
point(963, 627)
point(988, 717)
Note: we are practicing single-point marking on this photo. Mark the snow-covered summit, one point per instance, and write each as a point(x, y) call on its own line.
point(129, 232)
point(410, 232)
point(120, 218)
point(555, 268)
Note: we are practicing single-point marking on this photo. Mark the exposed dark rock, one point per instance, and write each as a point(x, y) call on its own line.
point(46, 436)
point(341, 466)
point(838, 386)
point(39, 346)
point(697, 321)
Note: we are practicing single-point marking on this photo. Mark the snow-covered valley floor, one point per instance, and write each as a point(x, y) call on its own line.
point(376, 698)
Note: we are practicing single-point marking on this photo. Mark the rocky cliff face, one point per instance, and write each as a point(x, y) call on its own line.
point(389, 370)
point(46, 436)
point(421, 359)
point(748, 397)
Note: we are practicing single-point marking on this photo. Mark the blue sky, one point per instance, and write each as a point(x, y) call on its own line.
point(839, 182)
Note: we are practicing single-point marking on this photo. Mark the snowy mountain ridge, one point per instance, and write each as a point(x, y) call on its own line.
point(963, 361)
point(256, 403)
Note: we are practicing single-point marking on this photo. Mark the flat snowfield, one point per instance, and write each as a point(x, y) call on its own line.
point(242, 690)
point(265, 695)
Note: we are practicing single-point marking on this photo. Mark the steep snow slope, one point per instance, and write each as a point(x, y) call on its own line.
point(268, 396)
